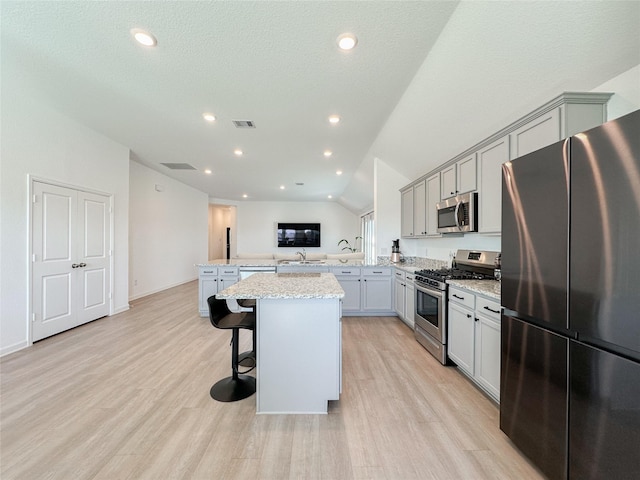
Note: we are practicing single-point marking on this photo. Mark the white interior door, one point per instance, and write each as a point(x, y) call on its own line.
point(71, 267)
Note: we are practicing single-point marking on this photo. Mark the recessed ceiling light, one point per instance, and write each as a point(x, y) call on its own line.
point(209, 117)
point(281, 187)
point(339, 172)
point(207, 171)
point(143, 37)
point(329, 196)
point(328, 153)
point(238, 152)
point(244, 195)
point(334, 119)
point(347, 41)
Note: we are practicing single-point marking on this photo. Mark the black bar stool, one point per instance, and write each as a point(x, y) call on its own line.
point(237, 386)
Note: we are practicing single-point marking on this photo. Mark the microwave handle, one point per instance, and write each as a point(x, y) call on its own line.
point(455, 214)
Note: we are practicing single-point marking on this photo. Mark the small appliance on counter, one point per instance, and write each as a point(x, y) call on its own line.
point(396, 256)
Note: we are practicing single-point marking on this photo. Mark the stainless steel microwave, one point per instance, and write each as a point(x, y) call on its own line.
point(458, 214)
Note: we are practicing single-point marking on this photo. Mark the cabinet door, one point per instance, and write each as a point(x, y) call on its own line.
point(207, 286)
point(433, 197)
point(419, 208)
point(490, 160)
point(448, 185)
point(406, 219)
point(398, 303)
point(409, 301)
point(487, 361)
point(224, 282)
point(460, 337)
point(377, 293)
point(351, 287)
point(536, 134)
point(466, 181)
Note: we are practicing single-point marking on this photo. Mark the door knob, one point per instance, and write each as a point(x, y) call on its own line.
point(82, 265)
point(74, 265)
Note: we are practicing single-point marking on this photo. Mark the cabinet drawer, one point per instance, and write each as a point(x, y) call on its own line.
point(400, 274)
point(338, 272)
point(409, 277)
point(230, 271)
point(378, 272)
point(462, 297)
point(209, 271)
point(489, 308)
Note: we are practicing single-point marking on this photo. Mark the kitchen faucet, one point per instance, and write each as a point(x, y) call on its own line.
point(303, 254)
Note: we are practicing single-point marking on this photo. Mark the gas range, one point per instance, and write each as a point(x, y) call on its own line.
point(438, 278)
point(430, 319)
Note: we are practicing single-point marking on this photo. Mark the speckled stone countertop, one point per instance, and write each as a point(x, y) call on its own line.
point(259, 262)
point(488, 288)
point(285, 285)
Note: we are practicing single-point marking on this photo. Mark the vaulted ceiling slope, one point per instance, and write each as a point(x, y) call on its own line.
point(274, 63)
point(426, 80)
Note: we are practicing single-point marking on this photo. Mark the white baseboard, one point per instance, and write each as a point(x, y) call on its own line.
point(151, 292)
point(13, 348)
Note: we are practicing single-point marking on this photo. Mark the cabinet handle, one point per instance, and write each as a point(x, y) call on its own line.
point(346, 272)
point(468, 316)
point(491, 310)
point(459, 298)
point(207, 271)
point(476, 319)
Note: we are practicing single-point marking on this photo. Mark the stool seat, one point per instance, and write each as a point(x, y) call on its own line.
point(237, 386)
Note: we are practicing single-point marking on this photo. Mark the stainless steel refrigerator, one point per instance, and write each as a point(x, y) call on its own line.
point(570, 364)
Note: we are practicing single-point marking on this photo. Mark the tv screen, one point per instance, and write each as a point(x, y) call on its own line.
point(298, 234)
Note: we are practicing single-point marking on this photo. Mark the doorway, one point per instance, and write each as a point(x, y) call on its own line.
point(71, 258)
point(222, 231)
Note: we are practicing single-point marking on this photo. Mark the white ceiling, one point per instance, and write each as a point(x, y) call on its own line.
point(275, 63)
point(427, 80)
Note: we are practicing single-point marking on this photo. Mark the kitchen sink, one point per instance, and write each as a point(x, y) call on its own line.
point(300, 262)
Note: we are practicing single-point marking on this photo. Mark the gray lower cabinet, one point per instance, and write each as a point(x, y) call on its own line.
point(350, 282)
point(211, 280)
point(368, 290)
point(474, 338)
point(377, 290)
point(404, 296)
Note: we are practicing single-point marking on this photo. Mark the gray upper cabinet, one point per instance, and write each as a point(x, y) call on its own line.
point(433, 197)
point(490, 160)
point(466, 181)
point(448, 185)
point(420, 209)
point(479, 167)
point(406, 220)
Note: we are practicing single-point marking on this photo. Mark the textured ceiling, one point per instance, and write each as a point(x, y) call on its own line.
point(427, 80)
point(275, 63)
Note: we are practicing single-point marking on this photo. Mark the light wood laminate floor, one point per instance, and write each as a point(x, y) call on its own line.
point(127, 397)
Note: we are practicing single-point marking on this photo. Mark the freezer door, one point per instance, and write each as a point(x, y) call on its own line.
point(533, 394)
point(604, 423)
point(605, 236)
point(535, 223)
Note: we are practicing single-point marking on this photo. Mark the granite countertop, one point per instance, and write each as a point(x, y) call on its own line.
point(259, 262)
point(285, 285)
point(488, 288)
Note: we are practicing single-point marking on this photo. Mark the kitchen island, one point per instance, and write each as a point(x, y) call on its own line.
point(298, 339)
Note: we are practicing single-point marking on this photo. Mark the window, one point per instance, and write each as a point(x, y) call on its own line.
point(368, 237)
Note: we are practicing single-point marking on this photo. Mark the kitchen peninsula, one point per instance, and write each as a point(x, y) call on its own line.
point(298, 339)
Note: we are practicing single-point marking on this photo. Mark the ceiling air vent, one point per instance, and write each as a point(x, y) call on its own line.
point(179, 166)
point(244, 124)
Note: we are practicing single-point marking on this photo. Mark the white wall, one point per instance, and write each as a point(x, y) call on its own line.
point(387, 205)
point(37, 140)
point(257, 223)
point(626, 89)
point(168, 231)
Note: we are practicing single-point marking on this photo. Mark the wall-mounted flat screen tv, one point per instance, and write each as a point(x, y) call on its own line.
point(298, 234)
